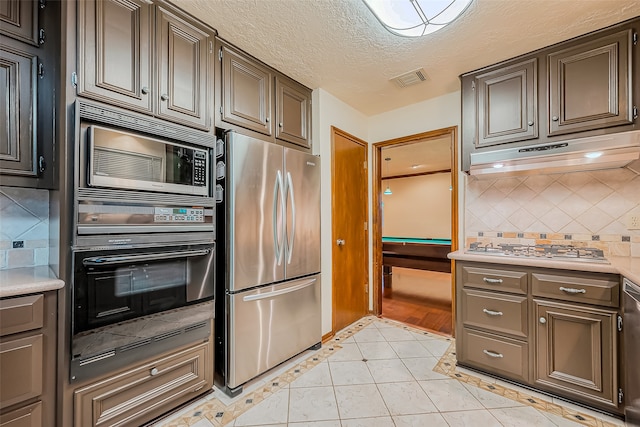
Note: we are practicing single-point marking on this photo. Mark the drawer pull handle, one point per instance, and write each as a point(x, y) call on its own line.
point(573, 290)
point(490, 280)
point(492, 313)
point(493, 354)
point(154, 372)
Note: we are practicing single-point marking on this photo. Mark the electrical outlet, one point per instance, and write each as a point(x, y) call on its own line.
point(17, 244)
point(633, 221)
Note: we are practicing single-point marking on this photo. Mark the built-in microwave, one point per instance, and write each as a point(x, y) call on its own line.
point(125, 160)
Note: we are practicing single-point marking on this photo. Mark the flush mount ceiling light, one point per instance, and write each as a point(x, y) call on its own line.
point(415, 18)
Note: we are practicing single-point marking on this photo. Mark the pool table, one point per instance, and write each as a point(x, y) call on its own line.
point(409, 252)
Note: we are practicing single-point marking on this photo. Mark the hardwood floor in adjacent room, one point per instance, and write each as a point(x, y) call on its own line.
point(419, 298)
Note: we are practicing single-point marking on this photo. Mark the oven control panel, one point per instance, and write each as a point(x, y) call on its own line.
point(178, 215)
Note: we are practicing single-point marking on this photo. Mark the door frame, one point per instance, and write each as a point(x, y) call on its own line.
point(336, 131)
point(377, 210)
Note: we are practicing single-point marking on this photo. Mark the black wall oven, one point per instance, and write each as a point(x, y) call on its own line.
point(121, 284)
point(143, 247)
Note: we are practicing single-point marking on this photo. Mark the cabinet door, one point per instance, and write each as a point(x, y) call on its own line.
point(29, 416)
point(507, 102)
point(20, 369)
point(576, 350)
point(590, 85)
point(293, 112)
point(246, 92)
point(141, 394)
point(20, 20)
point(115, 46)
point(18, 94)
point(184, 70)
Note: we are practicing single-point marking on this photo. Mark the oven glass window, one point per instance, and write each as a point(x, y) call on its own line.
point(151, 277)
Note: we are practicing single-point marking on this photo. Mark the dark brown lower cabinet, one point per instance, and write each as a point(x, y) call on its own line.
point(553, 330)
point(30, 416)
point(143, 393)
point(577, 352)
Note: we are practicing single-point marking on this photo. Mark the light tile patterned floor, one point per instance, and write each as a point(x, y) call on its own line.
point(380, 373)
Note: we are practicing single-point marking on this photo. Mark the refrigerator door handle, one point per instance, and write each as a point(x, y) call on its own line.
point(277, 190)
point(267, 295)
point(291, 239)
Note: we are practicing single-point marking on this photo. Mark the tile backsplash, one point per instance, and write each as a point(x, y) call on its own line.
point(24, 217)
point(580, 208)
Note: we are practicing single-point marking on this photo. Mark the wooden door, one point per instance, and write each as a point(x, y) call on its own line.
point(246, 92)
point(590, 85)
point(18, 112)
point(507, 104)
point(293, 112)
point(184, 70)
point(349, 231)
point(575, 348)
point(115, 46)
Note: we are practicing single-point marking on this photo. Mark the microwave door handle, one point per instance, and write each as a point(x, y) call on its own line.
point(290, 240)
point(108, 260)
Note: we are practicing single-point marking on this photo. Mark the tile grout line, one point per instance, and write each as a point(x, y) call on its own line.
point(220, 414)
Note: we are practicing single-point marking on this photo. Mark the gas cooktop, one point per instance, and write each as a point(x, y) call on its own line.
point(555, 252)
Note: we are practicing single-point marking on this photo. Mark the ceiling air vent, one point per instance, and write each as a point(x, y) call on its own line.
point(410, 78)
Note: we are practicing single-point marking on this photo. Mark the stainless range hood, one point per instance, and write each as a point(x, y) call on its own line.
point(598, 152)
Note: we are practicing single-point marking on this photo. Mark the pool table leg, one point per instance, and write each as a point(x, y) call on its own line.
point(386, 276)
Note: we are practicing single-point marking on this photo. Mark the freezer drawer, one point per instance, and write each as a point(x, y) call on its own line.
point(271, 324)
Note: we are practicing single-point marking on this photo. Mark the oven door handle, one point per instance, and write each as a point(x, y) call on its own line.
point(120, 259)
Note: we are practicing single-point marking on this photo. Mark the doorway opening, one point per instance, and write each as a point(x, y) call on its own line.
point(415, 223)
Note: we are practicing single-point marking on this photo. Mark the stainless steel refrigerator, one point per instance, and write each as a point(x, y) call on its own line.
point(270, 196)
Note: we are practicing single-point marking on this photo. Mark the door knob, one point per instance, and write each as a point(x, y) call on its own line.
point(340, 242)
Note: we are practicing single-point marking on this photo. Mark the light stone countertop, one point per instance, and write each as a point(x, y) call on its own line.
point(28, 280)
point(626, 266)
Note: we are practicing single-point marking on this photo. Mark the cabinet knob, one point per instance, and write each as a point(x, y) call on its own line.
point(530, 123)
point(267, 120)
point(154, 371)
point(164, 96)
point(280, 124)
point(555, 118)
point(543, 320)
point(144, 90)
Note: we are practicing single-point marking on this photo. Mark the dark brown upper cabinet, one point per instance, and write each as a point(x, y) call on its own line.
point(18, 112)
point(584, 87)
point(590, 85)
point(147, 58)
point(246, 91)
point(293, 112)
point(29, 64)
point(20, 20)
point(251, 96)
point(507, 104)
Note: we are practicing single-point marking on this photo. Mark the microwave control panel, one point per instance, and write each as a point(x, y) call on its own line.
point(178, 215)
point(199, 168)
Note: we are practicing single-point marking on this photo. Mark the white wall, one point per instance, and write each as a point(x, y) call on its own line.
point(330, 111)
point(419, 207)
point(437, 113)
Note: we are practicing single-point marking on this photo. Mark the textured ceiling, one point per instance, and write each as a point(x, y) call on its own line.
point(339, 46)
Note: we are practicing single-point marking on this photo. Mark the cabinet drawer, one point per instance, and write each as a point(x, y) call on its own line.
point(495, 354)
point(497, 312)
point(29, 416)
point(21, 314)
point(494, 279)
point(20, 369)
point(583, 288)
point(143, 393)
